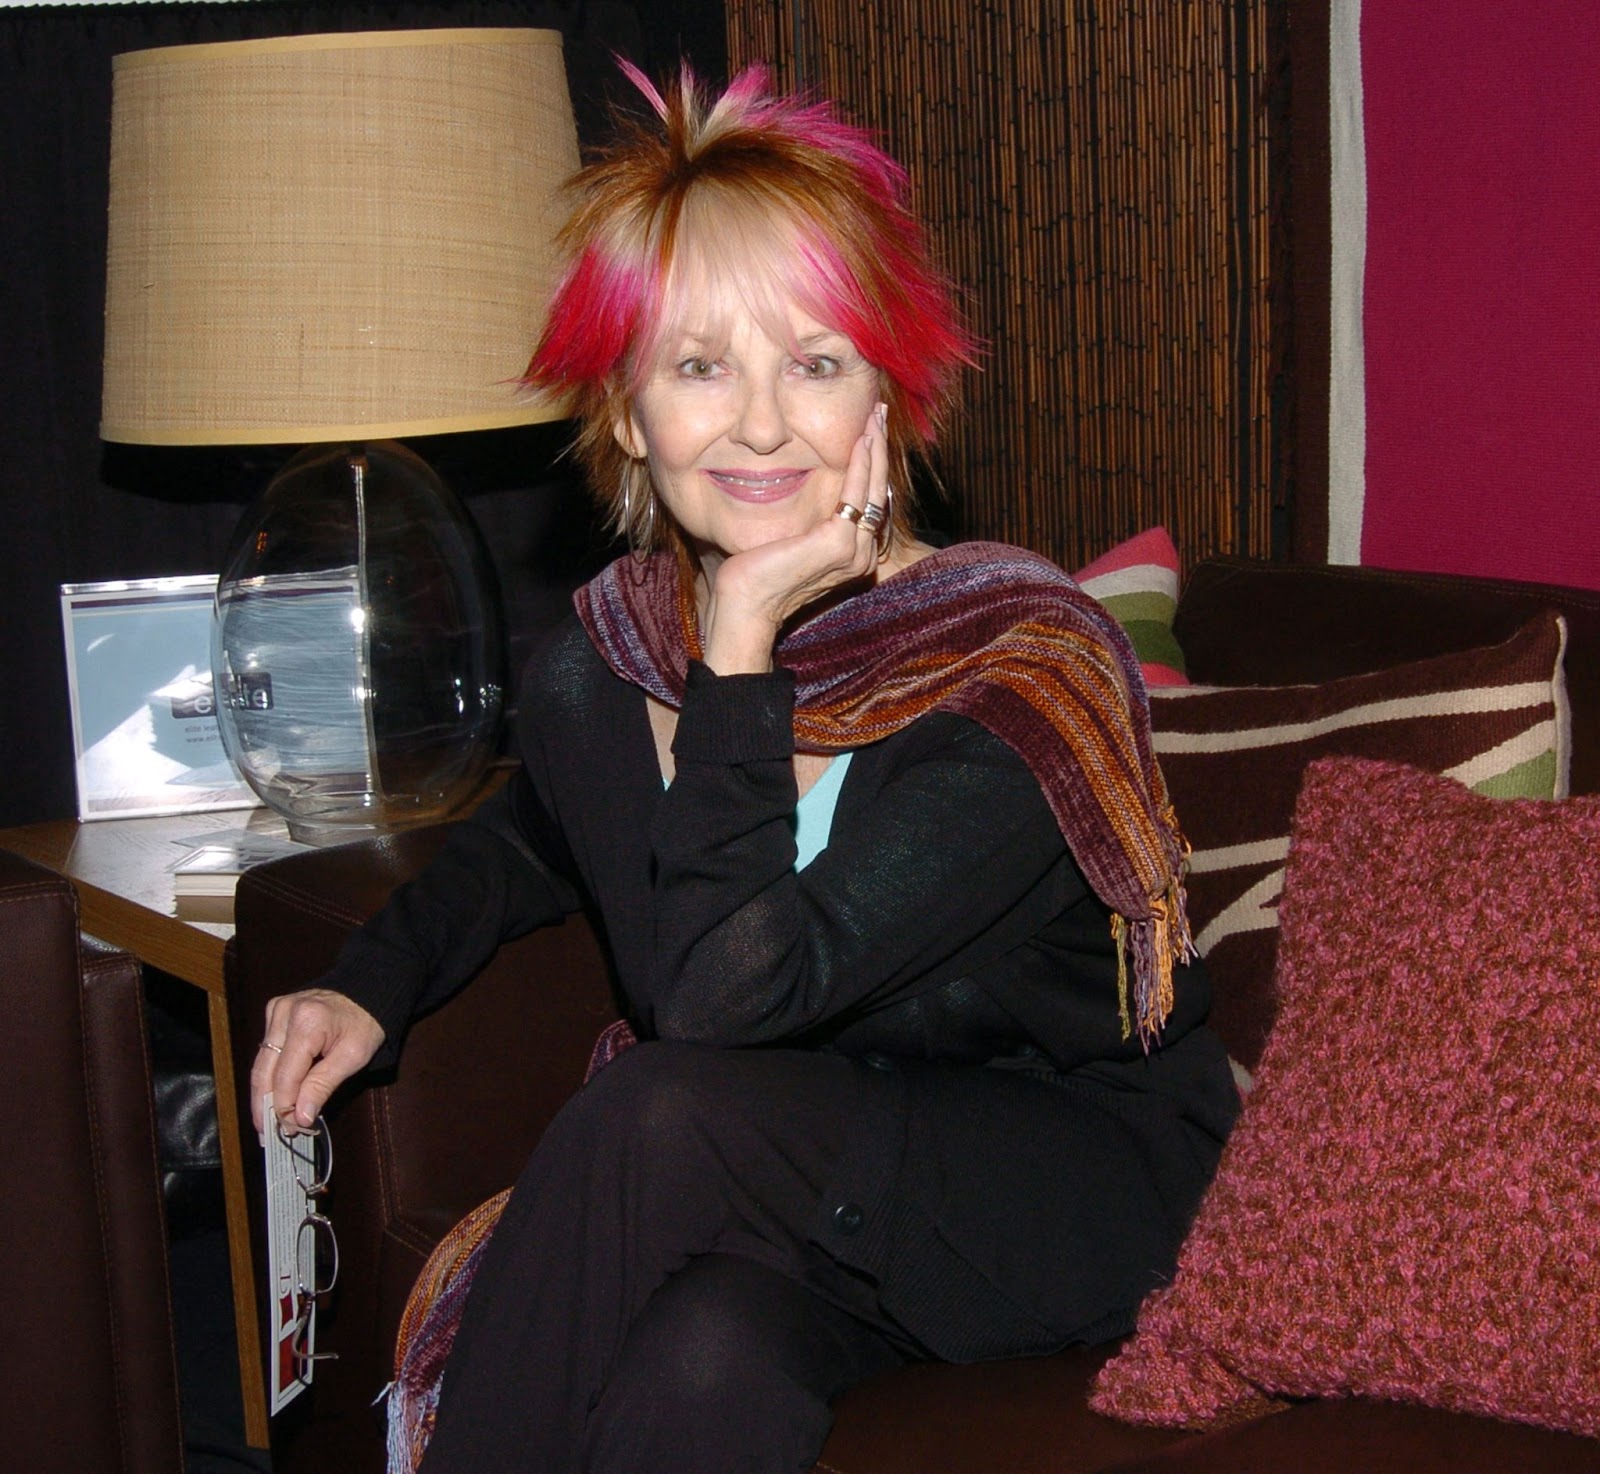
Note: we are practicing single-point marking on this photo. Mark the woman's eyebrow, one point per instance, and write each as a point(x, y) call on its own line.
point(827, 338)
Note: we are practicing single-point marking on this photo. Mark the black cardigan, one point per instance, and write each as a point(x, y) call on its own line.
point(945, 920)
point(944, 928)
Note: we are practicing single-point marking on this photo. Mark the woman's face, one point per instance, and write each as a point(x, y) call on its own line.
point(748, 437)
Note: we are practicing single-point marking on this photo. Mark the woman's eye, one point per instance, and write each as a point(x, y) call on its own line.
point(697, 368)
point(819, 367)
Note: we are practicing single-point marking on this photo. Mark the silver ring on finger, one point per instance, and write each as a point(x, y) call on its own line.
point(848, 512)
point(275, 1048)
point(874, 518)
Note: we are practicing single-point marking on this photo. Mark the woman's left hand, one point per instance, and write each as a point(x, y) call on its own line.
point(755, 593)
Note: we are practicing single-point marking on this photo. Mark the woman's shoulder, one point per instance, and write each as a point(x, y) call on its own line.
point(976, 755)
point(565, 684)
point(562, 656)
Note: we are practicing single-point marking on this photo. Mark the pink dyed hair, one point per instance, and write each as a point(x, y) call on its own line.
point(788, 201)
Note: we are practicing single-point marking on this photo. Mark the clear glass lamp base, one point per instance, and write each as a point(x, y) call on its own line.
point(357, 648)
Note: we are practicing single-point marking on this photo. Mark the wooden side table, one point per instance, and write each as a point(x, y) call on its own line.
point(121, 871)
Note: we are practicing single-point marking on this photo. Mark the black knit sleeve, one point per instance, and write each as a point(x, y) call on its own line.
point(499, 875)
point(929, 866)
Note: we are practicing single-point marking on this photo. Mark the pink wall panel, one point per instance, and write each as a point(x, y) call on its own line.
point(1482, 297)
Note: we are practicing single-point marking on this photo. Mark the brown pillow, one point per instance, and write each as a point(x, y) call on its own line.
point(1496, 718)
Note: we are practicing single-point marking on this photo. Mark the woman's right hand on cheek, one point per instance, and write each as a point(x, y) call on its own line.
point(314, 1041)
point(758, 591)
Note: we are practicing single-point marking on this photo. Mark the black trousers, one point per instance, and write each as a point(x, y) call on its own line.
point(661, 1294)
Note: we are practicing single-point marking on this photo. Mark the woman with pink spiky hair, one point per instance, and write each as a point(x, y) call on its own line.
point(873, 829)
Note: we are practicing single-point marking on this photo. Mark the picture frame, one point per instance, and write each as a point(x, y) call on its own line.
point(144, 726)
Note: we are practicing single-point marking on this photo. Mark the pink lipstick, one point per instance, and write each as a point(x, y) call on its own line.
point(759, 486)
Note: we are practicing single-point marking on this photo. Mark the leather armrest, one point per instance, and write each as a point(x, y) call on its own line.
point(91, 1381)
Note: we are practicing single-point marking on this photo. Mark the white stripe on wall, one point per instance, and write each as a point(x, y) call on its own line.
point(1347, 388)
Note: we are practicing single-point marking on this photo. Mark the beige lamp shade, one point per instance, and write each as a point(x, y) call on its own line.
point(332, 237)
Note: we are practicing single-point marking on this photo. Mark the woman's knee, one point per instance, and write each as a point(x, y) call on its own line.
point(649, 1117)
point(656, 1091)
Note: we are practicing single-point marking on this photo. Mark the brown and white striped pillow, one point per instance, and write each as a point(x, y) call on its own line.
point(1496, 718)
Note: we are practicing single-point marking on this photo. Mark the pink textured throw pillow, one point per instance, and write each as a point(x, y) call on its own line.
point(1409, 1207)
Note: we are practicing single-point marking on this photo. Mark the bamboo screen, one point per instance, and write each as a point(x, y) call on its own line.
point(1094, 174)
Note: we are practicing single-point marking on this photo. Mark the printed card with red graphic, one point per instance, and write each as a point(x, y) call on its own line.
point(287, 1206)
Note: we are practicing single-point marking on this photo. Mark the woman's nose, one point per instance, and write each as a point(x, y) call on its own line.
point(762, 425)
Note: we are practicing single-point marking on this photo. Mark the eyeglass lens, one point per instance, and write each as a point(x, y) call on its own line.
point(313, 1157)
point(316, 1255)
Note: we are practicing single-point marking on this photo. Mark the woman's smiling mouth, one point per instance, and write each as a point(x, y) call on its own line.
point(759, 486)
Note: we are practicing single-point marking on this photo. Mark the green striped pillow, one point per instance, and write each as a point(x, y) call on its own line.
point(1137, 582)
point(1495, 718)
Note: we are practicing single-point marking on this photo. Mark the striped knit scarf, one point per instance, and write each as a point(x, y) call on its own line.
point(995, 634)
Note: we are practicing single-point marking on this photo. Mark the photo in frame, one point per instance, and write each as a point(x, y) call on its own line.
point(144, 723)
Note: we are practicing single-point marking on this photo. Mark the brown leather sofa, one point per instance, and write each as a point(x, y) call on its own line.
point(481, 1077)
point(88, 1379)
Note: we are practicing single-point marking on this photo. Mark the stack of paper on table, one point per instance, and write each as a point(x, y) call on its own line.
point(214, 868)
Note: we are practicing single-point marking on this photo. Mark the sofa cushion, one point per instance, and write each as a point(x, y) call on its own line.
point(1496, 718)
point(1137, 582)
point(1408, 1207)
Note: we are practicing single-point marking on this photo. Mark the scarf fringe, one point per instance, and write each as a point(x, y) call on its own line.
point(1159, 943)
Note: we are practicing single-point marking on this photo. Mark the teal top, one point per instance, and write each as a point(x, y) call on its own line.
point(813, 815)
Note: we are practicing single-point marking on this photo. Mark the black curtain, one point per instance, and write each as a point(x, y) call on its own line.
point(73, 509)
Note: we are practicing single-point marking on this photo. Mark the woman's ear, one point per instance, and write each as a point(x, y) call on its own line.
point(627, 433)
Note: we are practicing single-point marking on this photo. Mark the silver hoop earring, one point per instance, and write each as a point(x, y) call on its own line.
point(884, 537)
point(639, 547)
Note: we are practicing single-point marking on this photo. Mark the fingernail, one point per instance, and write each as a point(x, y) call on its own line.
point(883, 417)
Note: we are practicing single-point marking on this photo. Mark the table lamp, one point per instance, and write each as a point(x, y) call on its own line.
point(334, 241)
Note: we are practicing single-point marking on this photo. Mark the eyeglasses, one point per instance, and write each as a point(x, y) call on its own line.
point(316, 1257)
